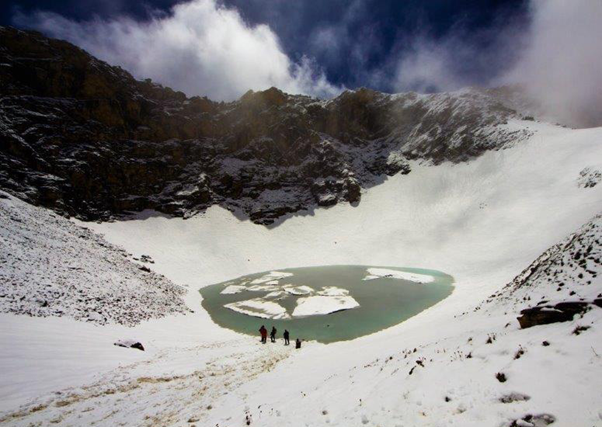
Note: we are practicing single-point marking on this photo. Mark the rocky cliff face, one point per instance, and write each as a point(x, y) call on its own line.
point(87, 139)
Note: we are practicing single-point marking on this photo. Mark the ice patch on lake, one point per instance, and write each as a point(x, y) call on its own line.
point(259, 307)
point(297, 290)
point(321, 305)
point(233, 289)
point(333, 291)
point(272, 276)
point(263, 288)
point(276, 295)
point(378, 273)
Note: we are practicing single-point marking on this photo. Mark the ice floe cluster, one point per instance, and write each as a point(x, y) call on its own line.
point(311, 302)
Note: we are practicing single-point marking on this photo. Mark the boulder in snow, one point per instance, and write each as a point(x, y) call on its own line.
point(545, 314)
point(129, 344)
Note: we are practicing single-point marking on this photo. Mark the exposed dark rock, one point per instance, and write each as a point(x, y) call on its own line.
point(138, 346)
point(88, 140)
point(579, 329)
point(545, 314)
point(519, 353)
point(540, 420)
point(146, 259)
point(589, 178)
point(130, 344)
point(514, 397)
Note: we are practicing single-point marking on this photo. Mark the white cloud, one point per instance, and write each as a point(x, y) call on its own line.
point(349, 43)
point(556, 58)
point(203, 48)
point(428, 65)
point(200, 48)
point(561, 65)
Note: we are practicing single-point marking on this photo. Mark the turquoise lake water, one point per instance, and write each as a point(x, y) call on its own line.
point(383, 302)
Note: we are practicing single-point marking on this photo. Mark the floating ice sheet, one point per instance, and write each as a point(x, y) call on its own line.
point(333, 291)
point(259, 307)
point(297, 290)
point(263, 288)
point(233, 289)
point(320, 305)
point(276, 295)
point(271, 276)
point(377, 273)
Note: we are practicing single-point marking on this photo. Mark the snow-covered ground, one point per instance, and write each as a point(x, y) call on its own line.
point(51, 267)
point(463, 362)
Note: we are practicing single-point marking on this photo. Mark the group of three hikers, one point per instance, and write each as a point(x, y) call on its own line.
point(264, 336)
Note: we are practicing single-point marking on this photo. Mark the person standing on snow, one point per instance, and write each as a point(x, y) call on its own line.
point(264, 334)
point(273, 334)
point(298, 343)
point(286, 336)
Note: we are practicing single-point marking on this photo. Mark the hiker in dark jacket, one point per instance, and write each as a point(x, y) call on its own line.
point(273, 334)
point(298, 343)
point(264, 334)
point(286, 336)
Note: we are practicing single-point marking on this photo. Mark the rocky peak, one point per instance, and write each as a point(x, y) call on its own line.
point(264, 99)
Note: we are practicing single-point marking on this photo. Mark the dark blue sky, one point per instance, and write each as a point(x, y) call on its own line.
point(382, 27)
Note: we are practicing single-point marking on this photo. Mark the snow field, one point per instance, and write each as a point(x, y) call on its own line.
point(482, 222)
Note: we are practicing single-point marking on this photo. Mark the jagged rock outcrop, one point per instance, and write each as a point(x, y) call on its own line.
point(87, 139)
point(129, 344)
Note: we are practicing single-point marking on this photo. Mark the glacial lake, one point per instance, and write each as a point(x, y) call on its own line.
point(326, 304)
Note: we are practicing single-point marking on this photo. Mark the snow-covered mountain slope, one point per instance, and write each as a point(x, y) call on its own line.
point(88, 140)
point(484, 222)
point(576, 261)
point(52, 267)
point(493, 215)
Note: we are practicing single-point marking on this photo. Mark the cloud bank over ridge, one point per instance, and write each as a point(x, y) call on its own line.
point(200, 48)
point(204, 48)
point(561, 63)
point(556, 57)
